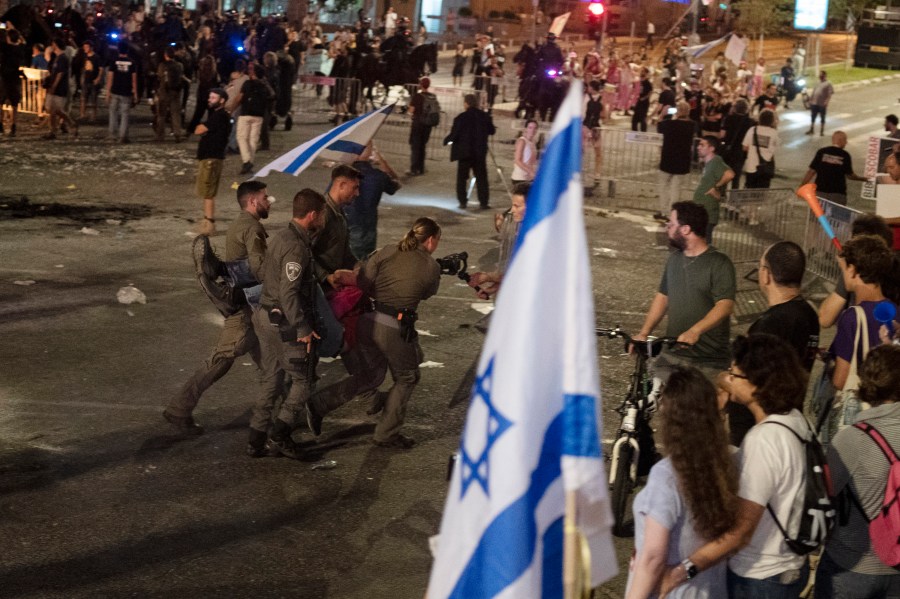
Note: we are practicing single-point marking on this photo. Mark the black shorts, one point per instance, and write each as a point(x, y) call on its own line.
point(10, 91)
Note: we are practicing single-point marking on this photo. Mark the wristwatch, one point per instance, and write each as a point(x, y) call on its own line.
point(690, 570)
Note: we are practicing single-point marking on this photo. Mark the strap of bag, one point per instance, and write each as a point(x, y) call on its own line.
point(802, 442)
point(862, 333)
point(885, 447)
point(756, 143)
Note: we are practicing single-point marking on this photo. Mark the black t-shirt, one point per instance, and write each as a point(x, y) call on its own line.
point(122, 68)
point(832, 165)
point(10, 60)
point(646, 90)
point(796, 322)
point(666, 98)
point(254, 96)
point(61, 66)
point(215, 140)
point(763, 101)
point(735, 127)
point(678, 139)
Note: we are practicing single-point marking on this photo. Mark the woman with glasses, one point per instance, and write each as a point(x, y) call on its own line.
point(690, 494)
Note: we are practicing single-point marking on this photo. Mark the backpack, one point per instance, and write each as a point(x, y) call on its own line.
point(818, 515)
point(884, 529)
point(431, 109)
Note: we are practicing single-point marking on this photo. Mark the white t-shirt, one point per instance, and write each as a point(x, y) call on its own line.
point(768, 143)
point(773, 466)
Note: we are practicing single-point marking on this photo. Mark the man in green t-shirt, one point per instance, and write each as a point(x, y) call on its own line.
point(716, 175)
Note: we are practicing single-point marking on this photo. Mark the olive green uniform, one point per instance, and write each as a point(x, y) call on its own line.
point(395, 280)
point(245, 240)
point(288, 287)
point(331, 246)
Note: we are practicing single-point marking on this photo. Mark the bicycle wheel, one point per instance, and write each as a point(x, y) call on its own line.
point(621, 490)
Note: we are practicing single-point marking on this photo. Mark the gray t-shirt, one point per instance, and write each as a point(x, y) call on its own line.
point(662, 501)
point(693, 286)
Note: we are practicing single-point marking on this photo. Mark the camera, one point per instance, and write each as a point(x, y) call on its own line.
point(454, 264)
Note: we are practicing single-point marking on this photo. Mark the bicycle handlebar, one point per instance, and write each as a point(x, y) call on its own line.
point(650, 347)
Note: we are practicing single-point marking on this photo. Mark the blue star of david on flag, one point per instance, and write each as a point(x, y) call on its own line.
point(478, 470)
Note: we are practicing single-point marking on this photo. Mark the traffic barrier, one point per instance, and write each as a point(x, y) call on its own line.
point(341, 96)
point(33, 94)
point(630, 168)
point(393, 136)
point(821, 255)
point(750, 220)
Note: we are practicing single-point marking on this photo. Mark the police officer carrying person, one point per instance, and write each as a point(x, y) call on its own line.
point(285, 326)
point(245, 240)
point(396, 278)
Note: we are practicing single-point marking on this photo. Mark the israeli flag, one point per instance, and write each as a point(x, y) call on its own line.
point(344, 143)
point(531, 438)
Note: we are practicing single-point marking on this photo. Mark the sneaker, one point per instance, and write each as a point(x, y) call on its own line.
point(186, 426)
point(246, 168)
point(285, 446)
point(397, 442)
point(313, 419)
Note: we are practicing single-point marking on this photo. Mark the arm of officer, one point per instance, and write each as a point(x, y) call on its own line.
point(291, 289)
point(256, 251)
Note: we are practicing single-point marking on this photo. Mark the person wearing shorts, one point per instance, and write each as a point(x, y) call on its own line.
point(214, 135)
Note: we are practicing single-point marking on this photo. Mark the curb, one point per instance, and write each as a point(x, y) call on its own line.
point(852, 84)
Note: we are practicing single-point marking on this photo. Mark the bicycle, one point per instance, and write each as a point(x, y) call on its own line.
point(634, 450)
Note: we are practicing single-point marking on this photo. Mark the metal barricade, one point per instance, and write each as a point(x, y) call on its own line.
point(821, 255)
point(750, 220)
point(629, 171)
point(340, 96)
point(393, 136)
point(33, 94)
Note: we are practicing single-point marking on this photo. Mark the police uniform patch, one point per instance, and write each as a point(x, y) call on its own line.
point(292, 270)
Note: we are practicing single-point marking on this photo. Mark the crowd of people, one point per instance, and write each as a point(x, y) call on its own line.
point(709, 524)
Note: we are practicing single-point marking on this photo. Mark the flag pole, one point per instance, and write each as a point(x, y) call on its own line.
point(570, 550)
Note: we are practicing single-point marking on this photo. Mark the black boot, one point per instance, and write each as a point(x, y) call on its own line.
point(280, 439)
point(256, 444)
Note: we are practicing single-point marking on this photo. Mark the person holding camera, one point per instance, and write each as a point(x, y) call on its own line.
point(396, 278)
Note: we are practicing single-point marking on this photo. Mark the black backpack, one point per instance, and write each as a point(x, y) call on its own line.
point(431, 109)
point(819, 515)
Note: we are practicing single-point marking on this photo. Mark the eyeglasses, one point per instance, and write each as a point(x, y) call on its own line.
point(736, 375)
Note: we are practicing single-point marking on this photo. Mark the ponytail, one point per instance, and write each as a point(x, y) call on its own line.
point(421, 230)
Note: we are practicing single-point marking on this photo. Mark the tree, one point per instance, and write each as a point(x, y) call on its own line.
point(761, 17)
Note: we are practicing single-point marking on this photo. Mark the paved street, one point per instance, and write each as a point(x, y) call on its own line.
point(98, 497)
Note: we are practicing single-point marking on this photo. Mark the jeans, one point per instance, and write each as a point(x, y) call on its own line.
point(766, 588)
point(119, 109)
point(248, 131)
point(833, 582)
point(669, 187)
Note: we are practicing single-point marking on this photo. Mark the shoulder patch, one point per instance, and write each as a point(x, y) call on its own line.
point(292, 270)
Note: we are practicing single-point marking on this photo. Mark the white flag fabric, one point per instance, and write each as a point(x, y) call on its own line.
point(532, 430)
point(701, 49)
point(344, 143)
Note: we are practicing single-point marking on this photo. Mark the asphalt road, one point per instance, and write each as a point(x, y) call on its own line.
point(98, 496)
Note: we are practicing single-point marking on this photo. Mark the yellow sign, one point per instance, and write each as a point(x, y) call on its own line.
point(883, 49)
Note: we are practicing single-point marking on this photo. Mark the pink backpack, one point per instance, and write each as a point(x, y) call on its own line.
point(884, 529)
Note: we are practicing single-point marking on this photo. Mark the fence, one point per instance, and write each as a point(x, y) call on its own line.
point(336, 95)
point(393, 136)
point(750, 220)
point(33, 94)
point(630, 168)
point(821, 257)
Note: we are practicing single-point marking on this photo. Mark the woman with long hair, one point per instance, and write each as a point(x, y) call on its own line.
point(526, 156)
point(207, 78)
point(690, 495)
point(767, 378)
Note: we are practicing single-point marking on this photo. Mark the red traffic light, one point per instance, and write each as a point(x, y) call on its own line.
point(596, 9)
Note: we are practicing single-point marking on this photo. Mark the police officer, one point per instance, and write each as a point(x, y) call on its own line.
point(331, 245)
point(245, 240)
point(285, 326)
point(396, 278)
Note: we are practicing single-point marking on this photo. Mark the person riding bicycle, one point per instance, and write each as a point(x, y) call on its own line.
point(697, 291)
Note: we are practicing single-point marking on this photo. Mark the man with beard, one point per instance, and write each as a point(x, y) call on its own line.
point(214, 134)
point(245, 240)
point(697, 291)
